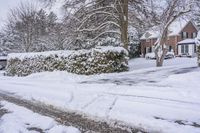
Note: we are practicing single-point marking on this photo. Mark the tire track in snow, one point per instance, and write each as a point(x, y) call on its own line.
point(154, 98)
point(92, 101)
point(111, 107)
point(83, 123)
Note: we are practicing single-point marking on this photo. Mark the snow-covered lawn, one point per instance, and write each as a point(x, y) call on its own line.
point(21, 120)
point(163, 99)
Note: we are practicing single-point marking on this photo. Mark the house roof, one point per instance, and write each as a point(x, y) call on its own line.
point(187, 41)
point(3, 58)
point(175, 28)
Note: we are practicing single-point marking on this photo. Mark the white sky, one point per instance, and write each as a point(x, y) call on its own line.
point(6, 5)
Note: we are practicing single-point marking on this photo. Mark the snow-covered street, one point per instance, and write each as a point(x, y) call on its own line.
point(100, 66)
point(16, 119)
point(154, 99)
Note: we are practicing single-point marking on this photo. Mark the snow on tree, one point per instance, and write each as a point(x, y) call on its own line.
point(89, 22)
point(94, 61)
point(172, 10)
point(134, 42)
point(197, 40)
point(100, 18)
point(32, 29)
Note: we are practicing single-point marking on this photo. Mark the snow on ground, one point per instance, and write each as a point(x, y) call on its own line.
point(21, 120)
point(157, 99)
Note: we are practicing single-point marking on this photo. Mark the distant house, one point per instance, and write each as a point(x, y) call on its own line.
point(180, 39)
point(3, 62)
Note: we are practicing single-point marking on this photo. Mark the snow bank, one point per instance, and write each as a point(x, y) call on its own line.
point(3, 57)
point(153, 56)
point(94, 61)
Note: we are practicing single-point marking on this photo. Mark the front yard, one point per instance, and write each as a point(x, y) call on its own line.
point(155, 99)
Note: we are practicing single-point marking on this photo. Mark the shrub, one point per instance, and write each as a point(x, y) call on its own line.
point(87, 62)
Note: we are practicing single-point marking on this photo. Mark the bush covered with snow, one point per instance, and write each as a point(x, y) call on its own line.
point(94, 61)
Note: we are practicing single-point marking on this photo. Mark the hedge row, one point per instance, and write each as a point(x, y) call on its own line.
point(87, 62)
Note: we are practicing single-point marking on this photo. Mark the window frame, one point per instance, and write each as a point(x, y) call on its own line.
point(185, 49)
point(184, 35)
point(148, 40)
point(195, 48)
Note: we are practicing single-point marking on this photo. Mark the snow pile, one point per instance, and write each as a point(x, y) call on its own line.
point(3, 57)
point(94, 61)
point(169, 55)
point(150, 56)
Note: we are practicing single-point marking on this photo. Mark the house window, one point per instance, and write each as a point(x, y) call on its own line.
point(148, 49)
point(184, 35)
point(170, 48)
point(195, 49)
point(147, 40)
point(184, 49)
point(194, 35)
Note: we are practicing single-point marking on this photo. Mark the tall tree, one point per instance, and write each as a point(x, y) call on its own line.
point(21, 25)
point(173, 9)
point(197, 40)
point(30, 29)
point(97, 19)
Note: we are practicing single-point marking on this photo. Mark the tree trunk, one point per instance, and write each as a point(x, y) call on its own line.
point(198, 55)
point(124, 23)
point(161, 42)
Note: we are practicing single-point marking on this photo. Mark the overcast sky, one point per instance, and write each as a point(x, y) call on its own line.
point(5, 6)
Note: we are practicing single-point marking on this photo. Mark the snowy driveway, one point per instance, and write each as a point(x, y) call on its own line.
point(156, 99)
point(146, 77)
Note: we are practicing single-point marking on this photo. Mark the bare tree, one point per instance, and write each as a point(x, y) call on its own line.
point(31, 29)
point(21, 21)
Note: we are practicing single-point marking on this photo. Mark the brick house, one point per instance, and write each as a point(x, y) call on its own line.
point(180, 39)
point(3, 62)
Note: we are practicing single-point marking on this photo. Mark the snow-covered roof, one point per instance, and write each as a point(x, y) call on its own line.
point(174, 29)
point(3, 57)
point(187, 41)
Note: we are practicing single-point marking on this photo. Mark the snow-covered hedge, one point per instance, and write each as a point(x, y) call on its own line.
point(98, 60)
